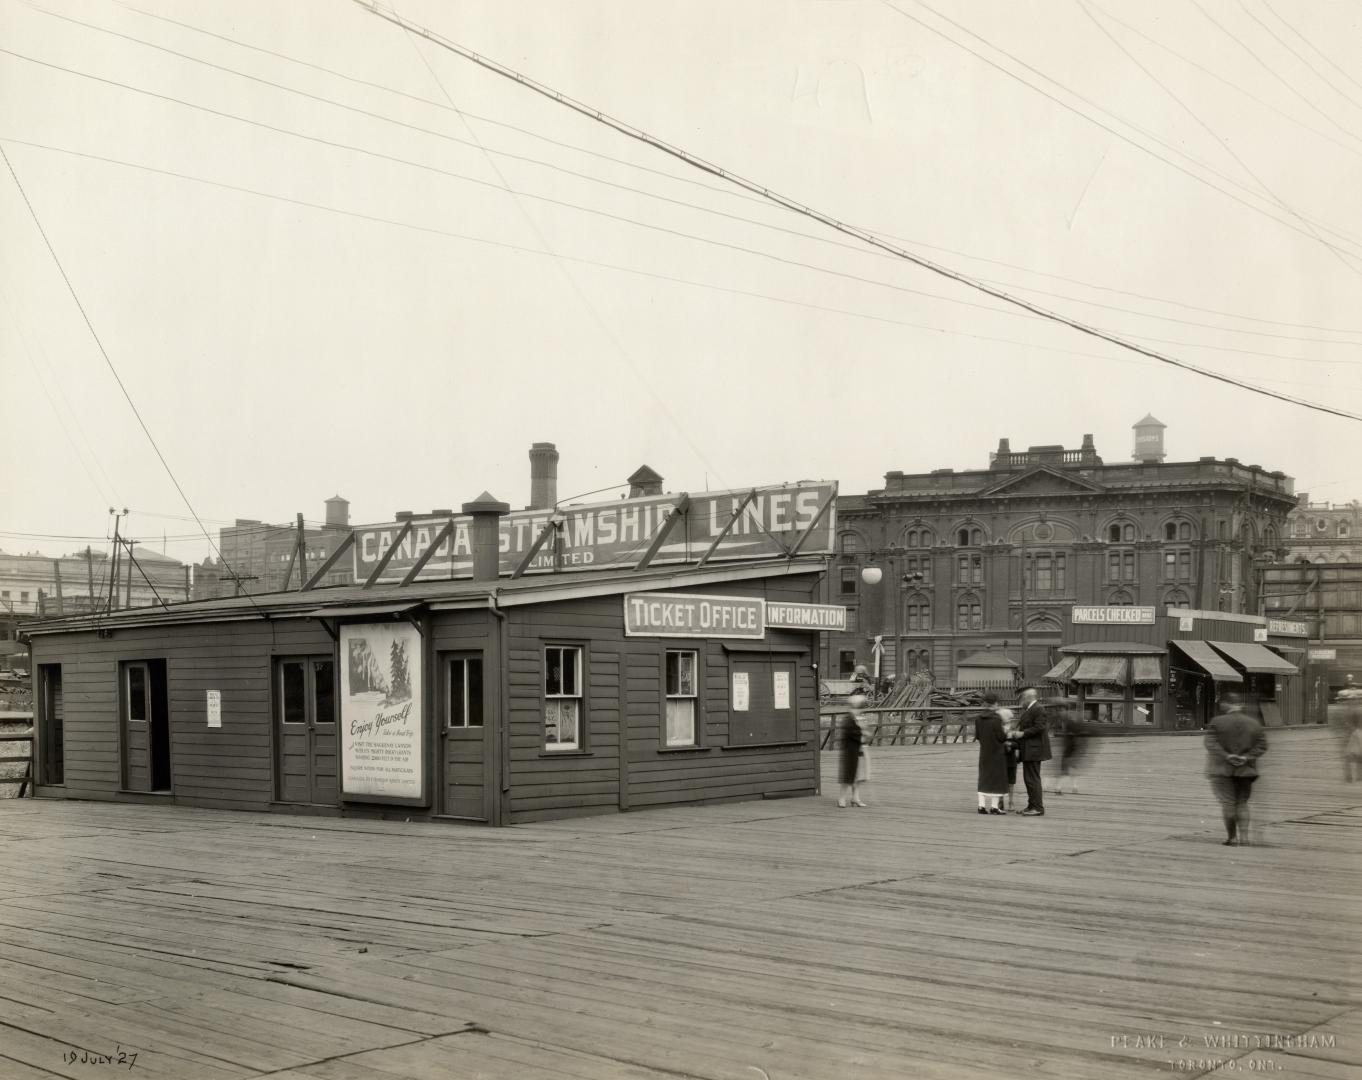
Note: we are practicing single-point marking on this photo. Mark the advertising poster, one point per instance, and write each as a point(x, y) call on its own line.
point(214, 705)
point(381, 725)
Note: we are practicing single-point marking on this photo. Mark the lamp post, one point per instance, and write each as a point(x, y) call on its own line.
point(872, 575)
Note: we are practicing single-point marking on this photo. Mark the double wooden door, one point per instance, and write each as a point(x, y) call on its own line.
point(305, 724)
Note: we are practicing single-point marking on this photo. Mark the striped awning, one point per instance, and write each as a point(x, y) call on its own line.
point(1103, 669)
point(1208, 660)
point(1255, 659)
point(1145, 669)
point(1063, 671)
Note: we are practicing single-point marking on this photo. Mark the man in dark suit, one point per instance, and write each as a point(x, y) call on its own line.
point(1235, 740)
point(1033, 744)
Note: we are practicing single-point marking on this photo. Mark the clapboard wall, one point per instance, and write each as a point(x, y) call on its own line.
point(623, 764)
point(229, 767)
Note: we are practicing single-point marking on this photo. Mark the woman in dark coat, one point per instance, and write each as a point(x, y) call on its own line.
point(988, 733)
point(850, 763)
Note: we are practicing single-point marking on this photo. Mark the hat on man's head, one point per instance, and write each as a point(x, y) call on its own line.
point(990, 698)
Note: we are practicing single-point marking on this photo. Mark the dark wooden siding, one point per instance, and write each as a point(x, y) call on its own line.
point(226, 767)
point(625, 675)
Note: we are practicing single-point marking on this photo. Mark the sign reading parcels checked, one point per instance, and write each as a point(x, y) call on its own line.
point(689, 615)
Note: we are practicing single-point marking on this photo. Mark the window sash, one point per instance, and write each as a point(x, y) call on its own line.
point(848, 580)
point(562, 724)
point(137, 690)
point(562, 671)
point(680, 722)
point(323, 691)
point(465, 692)
point(562, 697)
point(680, 674)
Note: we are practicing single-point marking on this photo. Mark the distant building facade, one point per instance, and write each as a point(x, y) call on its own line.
point(257, 557)
point(1327, 597)
point(969, 558)
point(35, 585)
point(1324, 532)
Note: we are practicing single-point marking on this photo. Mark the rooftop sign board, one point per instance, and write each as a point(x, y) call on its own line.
point(615, 534)
point(1107, 615)
point(1286, 627)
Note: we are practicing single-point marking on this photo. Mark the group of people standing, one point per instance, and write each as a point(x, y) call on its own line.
point(1005, 740)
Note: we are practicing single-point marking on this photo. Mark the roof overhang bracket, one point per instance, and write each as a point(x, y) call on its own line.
point(682, 505)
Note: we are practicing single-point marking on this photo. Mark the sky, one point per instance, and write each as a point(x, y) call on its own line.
point(324, 255)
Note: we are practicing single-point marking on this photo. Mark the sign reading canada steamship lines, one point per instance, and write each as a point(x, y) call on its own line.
point(615, 534)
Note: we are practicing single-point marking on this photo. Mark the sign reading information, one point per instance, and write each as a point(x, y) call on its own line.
point(805, 616)
point(601, 535)
point(688, 615)
point(1127, 614)
point(380, 712)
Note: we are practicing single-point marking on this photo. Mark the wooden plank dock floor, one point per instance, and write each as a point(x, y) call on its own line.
point(1114, 937)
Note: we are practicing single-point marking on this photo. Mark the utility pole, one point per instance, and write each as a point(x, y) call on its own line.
point(128, 568)
point(302, 555)
point(113, 565)
point(90, 574)
point(56, 570)
point(186, 581)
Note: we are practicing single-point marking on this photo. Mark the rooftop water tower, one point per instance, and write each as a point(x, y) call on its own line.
point(1149, 441)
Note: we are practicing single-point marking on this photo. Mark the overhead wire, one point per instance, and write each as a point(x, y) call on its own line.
point(504, 187)
point(1270, 69)
point(524, 249)
point(1314, 70)
point(1223, 143)
point(1263, 102)
point(1313, 47)
point(1334, 231)
point(37, 221)
point(550, 165)
point(869, 238)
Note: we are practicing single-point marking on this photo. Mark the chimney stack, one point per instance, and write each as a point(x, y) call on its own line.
point(644, 482)
point(543, 476)
point(486, 513)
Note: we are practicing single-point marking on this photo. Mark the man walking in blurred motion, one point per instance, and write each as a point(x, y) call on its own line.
point(1033, 745)
point(1235, 740)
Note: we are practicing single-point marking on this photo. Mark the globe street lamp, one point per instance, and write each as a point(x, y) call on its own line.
point(873, 575)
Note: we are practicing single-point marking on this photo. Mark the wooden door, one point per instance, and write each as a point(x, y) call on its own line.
point(50, 735)
point(763, 702)
point(468, 785)
point(305, 725)
point(135, 704)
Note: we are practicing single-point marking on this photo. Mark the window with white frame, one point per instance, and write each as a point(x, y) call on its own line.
point(680, 678)
point(562, 697)
point(1177, 565)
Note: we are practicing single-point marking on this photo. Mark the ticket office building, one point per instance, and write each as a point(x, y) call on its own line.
point(1152, 670)
point(547, 696)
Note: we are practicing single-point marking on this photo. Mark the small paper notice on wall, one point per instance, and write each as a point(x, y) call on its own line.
point(1186, 623)
point(214, 708)
point(781, 688)
point(740, 691)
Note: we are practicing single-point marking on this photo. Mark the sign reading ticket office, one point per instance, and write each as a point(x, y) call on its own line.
point(688, 615)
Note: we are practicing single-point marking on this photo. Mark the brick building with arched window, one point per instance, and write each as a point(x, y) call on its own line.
point(968, 555)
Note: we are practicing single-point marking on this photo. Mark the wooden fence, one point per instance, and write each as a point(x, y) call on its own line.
point(16, 749)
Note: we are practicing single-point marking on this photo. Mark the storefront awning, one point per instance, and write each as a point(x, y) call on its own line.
point(1063, 671)
point(1208, 660)
point(1145, 669)
point(1102, 669)
point(1255, 659)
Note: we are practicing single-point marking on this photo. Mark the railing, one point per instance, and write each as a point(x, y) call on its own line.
point(9, 741)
